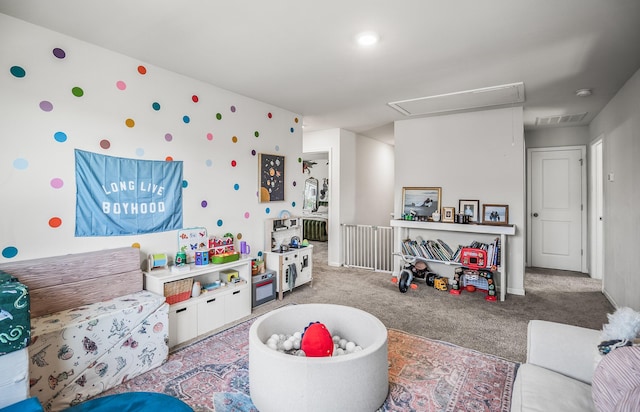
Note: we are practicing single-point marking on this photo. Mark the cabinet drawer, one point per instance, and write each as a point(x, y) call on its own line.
point(182, 324)
point(211, 313)
point(238, 304)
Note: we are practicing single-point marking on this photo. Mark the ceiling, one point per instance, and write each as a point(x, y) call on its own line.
point(301, 55)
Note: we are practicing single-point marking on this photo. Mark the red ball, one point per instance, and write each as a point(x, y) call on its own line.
point(471, 288)
point(316, 341)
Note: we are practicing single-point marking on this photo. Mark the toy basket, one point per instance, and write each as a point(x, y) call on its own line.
point(178, 290)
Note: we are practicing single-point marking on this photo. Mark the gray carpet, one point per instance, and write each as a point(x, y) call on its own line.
point(498, 328)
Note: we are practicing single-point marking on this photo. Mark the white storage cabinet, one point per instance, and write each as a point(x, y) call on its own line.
point(281, 263)
point(197, 316)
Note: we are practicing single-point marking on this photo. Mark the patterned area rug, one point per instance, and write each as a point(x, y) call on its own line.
point(424, 375)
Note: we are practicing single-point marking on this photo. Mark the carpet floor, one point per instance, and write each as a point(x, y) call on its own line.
point(424, 375)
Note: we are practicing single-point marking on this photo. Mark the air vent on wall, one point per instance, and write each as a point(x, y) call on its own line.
point(560, 119)
point(470, 99)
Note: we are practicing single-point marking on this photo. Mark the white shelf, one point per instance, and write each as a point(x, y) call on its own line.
point(502, 230)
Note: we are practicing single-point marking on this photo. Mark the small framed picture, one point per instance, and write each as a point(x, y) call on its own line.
point(448, 214)
point(495, 214)
point(469, 208)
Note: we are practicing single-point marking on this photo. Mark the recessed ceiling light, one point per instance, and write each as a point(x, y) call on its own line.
point(583, 92)
point(367, 38)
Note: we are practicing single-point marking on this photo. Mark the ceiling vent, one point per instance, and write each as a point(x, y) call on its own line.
point(506, 94)
point(560, 119)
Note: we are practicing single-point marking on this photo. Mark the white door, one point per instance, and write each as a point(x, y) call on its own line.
point(556, 208)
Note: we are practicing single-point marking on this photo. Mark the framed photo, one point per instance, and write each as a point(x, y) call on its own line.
point(470, 208)
point(495, 214)
point(448, 214)
point(420, 202)
point(271, 180)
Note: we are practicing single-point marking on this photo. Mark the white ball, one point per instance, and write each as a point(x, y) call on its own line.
point(297, 335)
point(335, 338)
point(340, 351)
point(287, 345)
point(272, 345)
point(358, 348)
point(343, 343)
point(275, 337)
point(296, 344)
point(301, 353)
point(350, 347)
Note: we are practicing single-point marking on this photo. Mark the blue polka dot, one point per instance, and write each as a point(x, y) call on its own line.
point(260, 253)
point(236, 186)
point(209, 163)
point(186, 119)
point(156, 106)
point(60, 137)
point(277, 148)
point(140, 151)
point(267, 210)
point(293, 204)
point(9, 252)
point(17, 71)
point(219, 223)
point(21, 164)
point(185, 184)
point(291, 130)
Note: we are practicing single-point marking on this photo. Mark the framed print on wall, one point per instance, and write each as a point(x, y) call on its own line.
point(421, 201)
point(469, 208)
point(495, 214)
point(271, 181)
point(448, 214)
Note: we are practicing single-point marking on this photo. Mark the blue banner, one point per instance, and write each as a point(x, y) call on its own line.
point(117, 196)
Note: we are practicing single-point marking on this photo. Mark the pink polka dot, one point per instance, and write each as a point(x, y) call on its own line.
point(209, 136)
point(105, 144)
point(246, 215)
point(56, 183)
point(121, 85)
point(234, 163)
point(168, 137)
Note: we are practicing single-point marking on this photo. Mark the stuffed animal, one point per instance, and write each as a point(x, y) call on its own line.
point(316, 340)
point(622, 329)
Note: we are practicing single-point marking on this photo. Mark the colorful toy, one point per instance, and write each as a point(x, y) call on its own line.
point(414, 267)
point(474, 274)
point(316, 341)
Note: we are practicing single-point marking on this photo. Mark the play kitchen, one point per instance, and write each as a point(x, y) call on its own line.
point(290, 256)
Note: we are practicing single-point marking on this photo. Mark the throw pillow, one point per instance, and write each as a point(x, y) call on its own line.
point(617, 378)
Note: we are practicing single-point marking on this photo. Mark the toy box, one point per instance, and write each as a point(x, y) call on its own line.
point(227, 275)
point(15, 317)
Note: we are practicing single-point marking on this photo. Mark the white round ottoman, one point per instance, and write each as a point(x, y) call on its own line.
point(358, 381)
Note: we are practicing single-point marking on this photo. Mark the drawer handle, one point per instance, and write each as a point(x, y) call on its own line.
point(236, 292)
point(211, 300)
point(181, 310)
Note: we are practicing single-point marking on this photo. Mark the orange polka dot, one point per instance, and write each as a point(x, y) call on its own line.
point(55, 222)
point(142, 70)
point(129, 122)
point(136, 245)
point(234, 139)
point(169, 159)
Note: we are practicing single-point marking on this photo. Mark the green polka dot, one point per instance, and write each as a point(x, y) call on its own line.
point(219, 116)
point(77, 91)
point(256, 133)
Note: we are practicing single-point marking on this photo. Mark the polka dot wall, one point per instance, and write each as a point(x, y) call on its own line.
point(63, 94)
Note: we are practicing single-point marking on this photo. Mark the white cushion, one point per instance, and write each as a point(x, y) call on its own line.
point(538, 389)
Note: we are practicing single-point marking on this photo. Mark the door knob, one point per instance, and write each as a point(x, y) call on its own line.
point(535, 215)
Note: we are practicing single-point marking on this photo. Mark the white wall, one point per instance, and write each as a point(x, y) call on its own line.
point(619, 123)
point(475, 155)
point(374, 180)
point(206, 145)
point(557, 136)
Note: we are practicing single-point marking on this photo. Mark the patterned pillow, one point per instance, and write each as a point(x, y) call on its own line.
point(616, 380)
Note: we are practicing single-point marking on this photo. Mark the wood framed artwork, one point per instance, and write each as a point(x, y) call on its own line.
point(495, 214)
point(448, 214)
point(469, 208)
point(420, 202)
point(271, 179)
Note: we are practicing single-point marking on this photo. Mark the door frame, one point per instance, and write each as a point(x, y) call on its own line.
point(593, 209)
point(583, 199)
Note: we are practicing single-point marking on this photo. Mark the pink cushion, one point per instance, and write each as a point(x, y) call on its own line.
point(616, 380)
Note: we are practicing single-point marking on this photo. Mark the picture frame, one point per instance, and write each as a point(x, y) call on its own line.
point(470, 208)
point(448, 214)
point(271, 178)
point(420, 202)
point(493, 214)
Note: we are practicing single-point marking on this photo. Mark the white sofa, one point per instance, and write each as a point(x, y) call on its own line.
point(562, 363)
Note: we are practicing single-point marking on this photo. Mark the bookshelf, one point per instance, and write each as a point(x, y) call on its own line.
point(459, 233)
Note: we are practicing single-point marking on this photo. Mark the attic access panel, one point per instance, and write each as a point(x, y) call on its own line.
point(469, 99)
